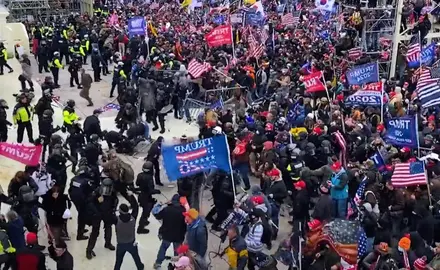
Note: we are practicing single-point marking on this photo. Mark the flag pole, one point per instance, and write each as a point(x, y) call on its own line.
point(417, 134)
point(232, 37)
point(427, 186)
point(230, 167)
point(381, 100)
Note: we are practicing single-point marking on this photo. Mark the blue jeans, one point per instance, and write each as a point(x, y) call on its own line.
point(121, 249)
point(243, 170)
point(370, 243)
point(340, 208)
point(275, 213)
point(163, 250)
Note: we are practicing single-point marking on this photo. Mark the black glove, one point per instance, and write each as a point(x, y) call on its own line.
point(156, 191)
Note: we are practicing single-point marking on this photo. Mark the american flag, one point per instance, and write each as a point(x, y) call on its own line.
point(340, 140)
point(287, 19)
point(263, 35)
point(252, 40)
point(359, 196)
point(197, 69)
point(355, 53)
point(413, 53)
point(428, 89)
point(409, 174)
point(111, 106)
point(362, 242)
point(256, 51)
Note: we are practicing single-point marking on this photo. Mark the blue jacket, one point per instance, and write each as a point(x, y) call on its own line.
point(15, 230)
point(197, 236)
point(339, 188)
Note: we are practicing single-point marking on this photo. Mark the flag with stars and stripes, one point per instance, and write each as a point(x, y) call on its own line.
point(287, 19)
point(428, 89)
point(197, 69)
point(362, 242)
point(111, 106)
point(414, 52)
point(359, 196)
point(409, 174)
point(355, 53)
point(195, 157)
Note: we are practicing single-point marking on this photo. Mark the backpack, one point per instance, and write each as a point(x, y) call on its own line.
point(127, 175)
point(267, 231)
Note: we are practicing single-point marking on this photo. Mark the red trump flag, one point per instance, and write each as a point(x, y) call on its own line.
point(28, 155)
point(313, 82)
point(221, 35)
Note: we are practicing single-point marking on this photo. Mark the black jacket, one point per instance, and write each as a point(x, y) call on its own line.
point(301, 205)
point(145, 182)
point(92, 126)
point(278, 190)
point(64, 262)
point(43, 104)
point(173, 227)
point(55, 208)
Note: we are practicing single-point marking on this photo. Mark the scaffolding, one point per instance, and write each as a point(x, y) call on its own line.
point(40, 10)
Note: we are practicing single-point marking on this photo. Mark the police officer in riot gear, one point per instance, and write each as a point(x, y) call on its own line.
point(310, 158)
point(153, 156)
point(126, 116)
point(46, 129)
point(55, 66)
point(56, 165)
point(4, 123)
point(43, 57)
point(44, 104)
point(79, 192)
point(103, 209)
point(145, 183)
point(75, 141)
point(74, 67)
point(93, 150)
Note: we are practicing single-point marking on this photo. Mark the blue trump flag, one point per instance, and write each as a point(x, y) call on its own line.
point(379, 162)
point(363, 74)
point(254, 19)
point(427, 56)
point(402, 131)
point(187, 159)
point(136, 26)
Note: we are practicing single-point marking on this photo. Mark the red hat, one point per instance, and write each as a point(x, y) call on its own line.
point(420, 263)
point(336, 166)
point(300, 184)
point(269, 127)
point(317, 130)
point(413, 159)
point(380, 127)
point(274, 172)
point(340, 97)
point(257, 200)
point(314, 224)
point(264, 114)
point(405, 150)
point(182, 249)
point(31, 238)
point(431, 118)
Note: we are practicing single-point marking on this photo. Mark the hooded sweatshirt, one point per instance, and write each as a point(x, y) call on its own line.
point(126, 224)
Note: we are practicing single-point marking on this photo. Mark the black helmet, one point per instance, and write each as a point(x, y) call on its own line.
point(147, 167)
point(94, 138)
point(83, 170)
point(128, 106)
point(71, 103)
point(26, 194)
point(4, 104)
point(106, 187)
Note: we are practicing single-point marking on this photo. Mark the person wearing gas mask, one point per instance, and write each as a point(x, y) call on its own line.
point(79, 192)
point(145, 184)
point(43, 56)
point(153, 156)
point(4, 123)
point(126, 116)
point(56, 165)
point(75, 140)
point(102, 208)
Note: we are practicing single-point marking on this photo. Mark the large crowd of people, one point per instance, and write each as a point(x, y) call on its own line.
point(310, 152)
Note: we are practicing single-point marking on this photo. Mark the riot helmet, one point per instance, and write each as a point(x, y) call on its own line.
point(310, 149)
point(147, 167)
point(326, 146)
point(94, 138)
point(26, 194)
point(71, 103)
point(106, 188)
point(47, 113)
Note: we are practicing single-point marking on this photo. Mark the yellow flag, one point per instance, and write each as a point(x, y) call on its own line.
point(249, 2)
point(185, 3)
point(152, 29)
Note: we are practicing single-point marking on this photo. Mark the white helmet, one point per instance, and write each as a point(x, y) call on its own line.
point(120, 64)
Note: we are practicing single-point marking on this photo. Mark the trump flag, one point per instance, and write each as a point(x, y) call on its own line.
point(221, 35)
point(191, 158)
